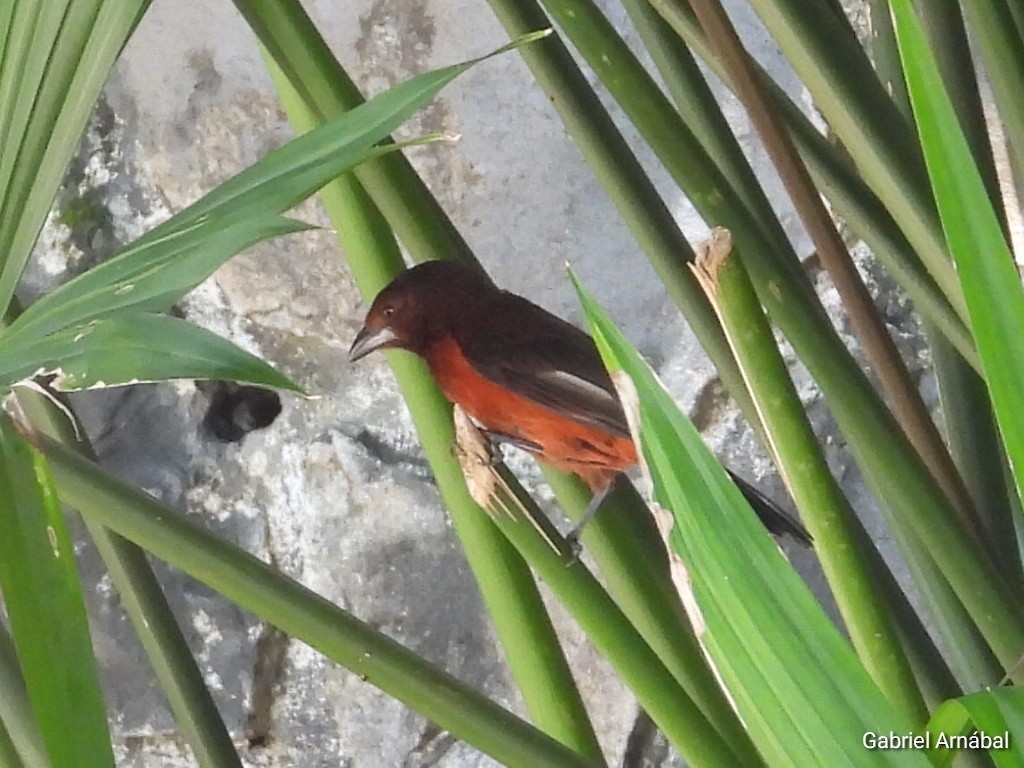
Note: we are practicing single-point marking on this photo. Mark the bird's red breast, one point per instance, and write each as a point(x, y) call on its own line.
point(596, 455)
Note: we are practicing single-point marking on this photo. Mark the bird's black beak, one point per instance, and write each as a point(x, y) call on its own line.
point(367, 341)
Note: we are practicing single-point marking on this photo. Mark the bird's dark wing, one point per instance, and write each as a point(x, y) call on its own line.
point(539, 356)
point(777, 520)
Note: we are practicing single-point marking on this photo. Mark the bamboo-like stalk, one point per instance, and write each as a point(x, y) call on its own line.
point(842, 542)
point(295, 44)
point(904, 399)
point(833, 66)
point(847, 191)
point(520, 619)
point(605, 623)
point(16, 710)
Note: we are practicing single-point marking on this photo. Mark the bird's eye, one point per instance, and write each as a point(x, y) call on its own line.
point(389, 311)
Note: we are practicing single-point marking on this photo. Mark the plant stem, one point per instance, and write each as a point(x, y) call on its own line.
point(520, 619)
point(834, 67)
point(16, 710)
point(841, 543)
point(627, 547)
point(296, 46)
point(146, 606)
point(608, 627)
point(907, 405)
point(841, 184)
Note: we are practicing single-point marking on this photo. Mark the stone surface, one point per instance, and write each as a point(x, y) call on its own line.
point(336, 492)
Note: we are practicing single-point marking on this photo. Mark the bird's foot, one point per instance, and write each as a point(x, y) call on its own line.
point(572, 541)
point(572, 538)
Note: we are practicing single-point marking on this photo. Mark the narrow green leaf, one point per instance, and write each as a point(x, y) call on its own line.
point(9, 757)
point(985, 265)
point(47, 615)
point(675, 713)
point(996, 714)
point(778, 654)
point(148, 276)
point(133, 348)
point(52, 88)
point(507, 586)
point(291, 173)
point(16, 709)
point(856, 573)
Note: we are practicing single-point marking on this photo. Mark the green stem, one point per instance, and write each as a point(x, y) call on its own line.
point(301, 613)
point(296, 46)
point(16, 710)
point(698, 107)
point(833, 66)
point(904, 399)
point(849, 194)
point(970, 655)
point(627, 547)
point(151, 616)
point(520, 619)
point(613, 634)
point(840, 541)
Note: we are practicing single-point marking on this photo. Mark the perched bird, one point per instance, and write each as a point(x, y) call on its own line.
point(526, 376)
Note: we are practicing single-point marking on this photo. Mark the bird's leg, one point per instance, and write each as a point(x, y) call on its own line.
point(573, 537)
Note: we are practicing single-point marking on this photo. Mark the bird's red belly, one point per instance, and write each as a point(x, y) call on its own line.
point(591, 453)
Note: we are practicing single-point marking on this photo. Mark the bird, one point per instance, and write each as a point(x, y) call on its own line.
point(526, 376)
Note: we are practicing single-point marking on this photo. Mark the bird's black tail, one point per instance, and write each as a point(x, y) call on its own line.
point(774, 517)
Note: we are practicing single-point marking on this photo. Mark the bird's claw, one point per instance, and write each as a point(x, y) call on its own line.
point(572, 541)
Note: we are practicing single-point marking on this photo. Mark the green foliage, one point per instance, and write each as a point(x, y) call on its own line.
point(779, 655)
point(985, 265)
point(44, 604)
point(718, 618)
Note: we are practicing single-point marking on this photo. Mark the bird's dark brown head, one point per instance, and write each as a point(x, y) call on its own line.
point(418, 307)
